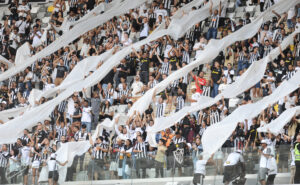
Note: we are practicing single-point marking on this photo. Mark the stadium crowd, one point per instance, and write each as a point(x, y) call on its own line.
point(75, 118)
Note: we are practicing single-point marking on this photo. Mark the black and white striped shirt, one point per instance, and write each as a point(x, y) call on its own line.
point(289, 75)
point(152, 84)
point(164, 69)
point(167, 4)
point(82, 136)
point(4, 156)
point(141, 147)
point(97, 153)
point(62, 106)
point(160, 109)
point(36, 157)
point(214, 116)
point(214, 21)
point(253, 57)
point(73, 3)
point(123, 92)
point(178, 140)
point(179, 102)
point(76, 136)
point(24, 139)
point(108, 93)
point(61, 131)
point(267, 50)
point(241, 56)
point(206, 91)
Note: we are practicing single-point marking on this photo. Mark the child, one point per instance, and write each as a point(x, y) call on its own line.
point(53, 169)
point(200, 171)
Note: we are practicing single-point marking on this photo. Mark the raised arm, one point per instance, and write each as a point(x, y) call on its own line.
point(136, 54)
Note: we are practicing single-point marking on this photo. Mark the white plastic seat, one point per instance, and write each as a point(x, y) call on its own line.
point(46, 20)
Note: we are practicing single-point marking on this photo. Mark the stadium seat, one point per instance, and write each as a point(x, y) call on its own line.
point(46, 19)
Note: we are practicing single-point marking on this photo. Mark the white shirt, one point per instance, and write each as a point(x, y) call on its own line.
point(199, 51)
point(222, 87)
point(22, 26)
point(86, 114)
point(233, 159)
point(71, 106)
point(36, 41)
point(14, 37)
point(137, 87)
point(264, 160)
point(272, 166)
point(145, 31)
point(25, 8)
point(291, 13)
point(196, 96)
point(25, 155)
point(200, 167)
point(52, 166)
point(161, 12)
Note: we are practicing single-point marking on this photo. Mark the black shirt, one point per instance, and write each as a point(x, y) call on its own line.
point(145, 64)
point(61, 71)
point(173, 61)
point(216, 74)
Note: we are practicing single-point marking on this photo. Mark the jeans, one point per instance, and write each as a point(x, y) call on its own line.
point(212, 33)
point(144, 77)
point(289, 23)
point(215, 91)
point(88, 126)
point(238, 3)
point(240, 65)
point(159, 168)
point(3, 176)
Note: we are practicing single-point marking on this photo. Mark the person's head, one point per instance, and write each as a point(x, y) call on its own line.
point(298, 138)
point(177, 134)
point(85, 103)
point(290, 67)
point(4, 147)
point(216, 12)
point(76, 129)
point(139, 138)
point(99, 140)
point(128, 142)
point(217, 64)
point(198, 141)
point(201, 74)
point(137, 78)
point(39, 126)
point(193, 89)
point(263, 143)
point(63, 138)
point(161, 142)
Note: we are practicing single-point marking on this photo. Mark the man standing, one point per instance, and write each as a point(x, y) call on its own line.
point(265, 154)
point(140, 151)
point(297, 160)
point(234, 167)
point(86, 118)
point(4, 155)
point(216, 74)
point(214, 24)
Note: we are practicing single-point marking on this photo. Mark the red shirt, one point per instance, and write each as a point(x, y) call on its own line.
point(199, 83)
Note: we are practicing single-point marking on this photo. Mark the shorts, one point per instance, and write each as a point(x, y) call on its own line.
point(257, 85)
point(95, 165)
point(228, 173)
point(26, 170)
point(262, 174)
point(198, 178)
point(53, 175)
point(173, 91)
point(35, 164)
